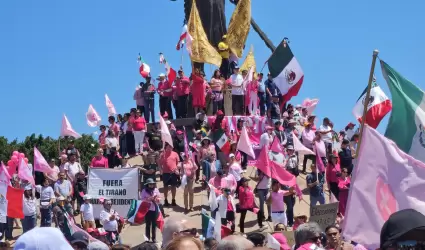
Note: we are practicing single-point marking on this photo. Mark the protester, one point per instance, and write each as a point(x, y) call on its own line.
point(99, 161)
point(315, 181)
point(278, 214)
point(169, 161)
point(79, 190)
point(86, 210)
point(346, 156)
point(237, 81)
point(247, 203)
point(210, 166)
point(42, 238)
point(188, 170)
point(165, 95)
point(149, 169)
point(139, 97)
point(111, 145)
point(308, 234)
point(251, 96)
point(273, 109)
point(151, 194)
point(72, 150)
point(291, 161)
point(320, 148)
point(223, 180)
point(344, 186)
point(198, 88)
point(148, 91)
point(307, 137)
point(326, 134)
point(139, 130)
point(29, 209)
point(72, 167)
point(262, 190)
point(182, 84)
point(227, 208)
point(63, 187)
point(266, 138)
point(333, 171)
point(102, 136)
point(109, 219)
point(335, 240)
point(47, 198)
point(175, 226)
point(217, 84)
point(114, 126)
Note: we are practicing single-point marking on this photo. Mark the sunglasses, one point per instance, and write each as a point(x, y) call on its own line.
point(191, 231)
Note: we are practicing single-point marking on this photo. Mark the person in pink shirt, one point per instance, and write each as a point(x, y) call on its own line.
point(168, 162)
point(223, 180)
point(99, 161)
point(139, 97)
point(333, 171)
point(151, 194)
point(114, 126)
point(102, 136)
point(188, 169)
point(251, 96)
point(198, 90)
point(165, 91)
point(307, 137)
point(344, 186)
point(182, 90)
point(139, 129)
point(216, 85)
point(278, 214)
point(247, 203)
point(320, 147)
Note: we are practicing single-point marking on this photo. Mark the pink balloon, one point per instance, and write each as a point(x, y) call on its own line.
point(14, 158)
point(21, 155)
point(15, 153)
point(10, 163)
point(26, 160)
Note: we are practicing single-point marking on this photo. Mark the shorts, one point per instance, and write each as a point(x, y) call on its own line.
point(169, 179)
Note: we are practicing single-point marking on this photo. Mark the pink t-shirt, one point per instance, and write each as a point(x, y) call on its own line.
point(116, 129)
point(182, 86)
point(162, 86)
point(139, 124)
point(99, 163)
point(321, 148)
point(189, 169)
point(277, 201)
point(217, 82)
point(169, 162)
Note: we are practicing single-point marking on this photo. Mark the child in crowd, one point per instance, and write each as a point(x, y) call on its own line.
point(87, 217)
point(227, 208)
point(80, 189)
point(149, 169)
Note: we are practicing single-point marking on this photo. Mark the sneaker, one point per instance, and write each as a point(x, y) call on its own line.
point(173, 202)
point(166, 204)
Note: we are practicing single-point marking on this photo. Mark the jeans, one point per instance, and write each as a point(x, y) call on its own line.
point(123, 145)
point(218, 105)
point(29, 222)
point(307, 157)
point(182, 106)
point(333, 186)
point(315, 199)
point(139, 137)
point(262, 97)
point(188, 194)
point(242, 219)
point(150, 110)
point(46, 217)
point(6, 229)
point(165, 106)
point(290, 203)
point(262, 195)
point(150, 220)
point(244, 162)
point(230, 216)
point(237, 104)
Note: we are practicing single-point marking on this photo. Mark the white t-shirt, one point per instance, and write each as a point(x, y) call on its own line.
point(87, 210)
point(111, 142)
point(237, 84)
point(29, 206)
point(73, 169)
point(108, 225)
point(236, 170)
point(328, 136)
point(46, 193)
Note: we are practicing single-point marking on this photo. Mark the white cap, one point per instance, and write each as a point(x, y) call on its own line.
point(46, 238)
point(161, 75)
point(86, 197)
point(231, 155)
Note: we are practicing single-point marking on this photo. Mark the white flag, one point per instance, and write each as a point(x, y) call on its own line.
point(110, 106)
point(67, 130)
point(93, 118)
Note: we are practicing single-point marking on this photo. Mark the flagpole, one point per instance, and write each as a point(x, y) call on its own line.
point(366, 101)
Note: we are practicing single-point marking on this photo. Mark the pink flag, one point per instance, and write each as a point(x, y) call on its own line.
point(262, 163)
point(67, 130)
point(93, 118)
point(244, 143)
point(319, 162)
point(385, 180)
point(310, 105)
point(40, 164)
point(110, 106)
point(299, 147)
point(4, 174)
point(284, 177)
point(276, 147)
point(24, 172)
point(165, 132)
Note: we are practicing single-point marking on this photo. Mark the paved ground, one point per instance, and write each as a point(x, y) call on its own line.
point(134, 235)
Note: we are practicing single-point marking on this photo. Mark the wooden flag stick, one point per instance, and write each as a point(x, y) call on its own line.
point(366, 100)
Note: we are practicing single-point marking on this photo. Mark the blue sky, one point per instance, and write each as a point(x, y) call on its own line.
point(58, 57)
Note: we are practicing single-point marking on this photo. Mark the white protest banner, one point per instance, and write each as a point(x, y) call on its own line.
point(118, 185)
point(324, 215)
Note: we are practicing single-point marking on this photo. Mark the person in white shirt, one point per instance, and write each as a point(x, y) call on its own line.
point(237, 92)
point(235, 168)
point(349, 131)
point(72, 167)
point(112, 143)
point(109, 219)
point(124, 162)
point(326, 132)
point(266, 138)
point(47, 198)
point(87, 217)
point(29, 209)
point(227, 215)
point(53, 177)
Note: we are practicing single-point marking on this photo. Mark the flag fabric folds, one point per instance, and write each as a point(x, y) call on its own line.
point(144, 70)
point(67, 130)
point(11, 202)
point(378, 106)
point(249, 60)
point(24, 172)
point(40, 163)
point(388, 180)
point(138, 210)
point(286, 71)
point(201, 49)
point(300, 148)
point(110, 106)
point(407, 121)
point(92, 117)
point(244, 144)
point(222, 141)
point(239, 26)
point(165, 132)
point(276, 147)
point(310, 105)
point(183, 36)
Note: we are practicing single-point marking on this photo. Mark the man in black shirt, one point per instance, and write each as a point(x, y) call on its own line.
point(154, 139)
point(273, 110)
point(178, 143)
point(149, 169)
point(279, 132)
point(200, 122)
point(345, 156)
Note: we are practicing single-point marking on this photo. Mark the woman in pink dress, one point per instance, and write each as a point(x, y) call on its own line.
point(344, 186)
point(198, 90)
point(188, 168)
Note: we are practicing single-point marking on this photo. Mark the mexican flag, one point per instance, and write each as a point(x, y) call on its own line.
point(379, 105)
point(138, 210)
point(407, 121)
point(209, 227)
point(222, 141)
point(144, 70)
point(286, 72)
